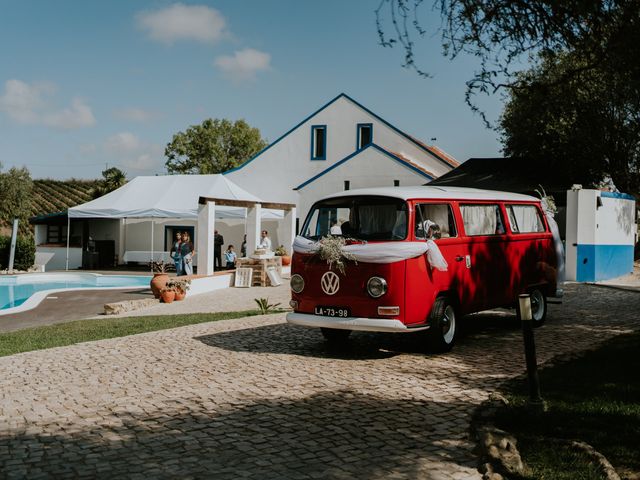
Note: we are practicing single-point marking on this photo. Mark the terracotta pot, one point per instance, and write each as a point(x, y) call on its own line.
point(180, 294)
point(158, 282)
point(286, 260)
point(168, 296)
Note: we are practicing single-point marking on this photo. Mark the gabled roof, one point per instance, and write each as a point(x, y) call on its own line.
point(437, 153)
point(398, 158)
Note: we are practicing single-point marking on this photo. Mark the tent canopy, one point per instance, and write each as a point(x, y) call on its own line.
point(167, 196)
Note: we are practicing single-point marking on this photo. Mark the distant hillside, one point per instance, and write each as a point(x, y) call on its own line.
point(50, 196)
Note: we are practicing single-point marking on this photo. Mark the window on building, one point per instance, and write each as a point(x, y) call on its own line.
point(56, 233)
point(319, 142)
point(482, 220)
point(439, 214)
point(365, 134)
point(347, 184)
point(525, 219)
point(396, 183)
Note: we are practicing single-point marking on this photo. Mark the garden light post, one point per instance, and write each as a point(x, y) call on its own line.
point(535, 399)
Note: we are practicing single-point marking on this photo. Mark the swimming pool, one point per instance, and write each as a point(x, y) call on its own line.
point(23, 292)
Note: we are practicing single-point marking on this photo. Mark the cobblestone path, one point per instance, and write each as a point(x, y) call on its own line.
point(256, 398)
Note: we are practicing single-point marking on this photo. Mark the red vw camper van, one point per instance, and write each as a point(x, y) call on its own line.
point(420, 258)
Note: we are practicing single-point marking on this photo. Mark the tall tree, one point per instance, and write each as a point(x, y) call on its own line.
point(504, 34)
point(112, 179)
point(214, 146)
point(15, 196)
point(584, 127)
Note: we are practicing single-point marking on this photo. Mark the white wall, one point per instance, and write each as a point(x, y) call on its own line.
point(59, 259)
point(371, 168)
point(288, 163)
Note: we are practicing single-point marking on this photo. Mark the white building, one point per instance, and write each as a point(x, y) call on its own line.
point(341, 146)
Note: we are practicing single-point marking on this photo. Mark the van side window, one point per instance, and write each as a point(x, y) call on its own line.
point(438, 216)
point(525, 219)
point(482, 219)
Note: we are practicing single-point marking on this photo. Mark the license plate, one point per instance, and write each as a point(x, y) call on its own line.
point(341, 312)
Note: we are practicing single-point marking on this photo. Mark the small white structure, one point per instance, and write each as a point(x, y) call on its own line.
point(601, 234)
point(341, 146)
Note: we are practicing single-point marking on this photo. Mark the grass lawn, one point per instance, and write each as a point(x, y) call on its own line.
point(78, 331)
point(595, 399)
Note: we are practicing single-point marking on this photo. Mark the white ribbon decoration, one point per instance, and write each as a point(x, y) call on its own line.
point(382, 252)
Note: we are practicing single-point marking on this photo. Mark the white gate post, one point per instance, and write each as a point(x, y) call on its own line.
point(289, 229)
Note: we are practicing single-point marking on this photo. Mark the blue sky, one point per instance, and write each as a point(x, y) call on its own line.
point(86, 84)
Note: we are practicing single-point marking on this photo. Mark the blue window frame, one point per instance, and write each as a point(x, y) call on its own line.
point(318, 142)
point(364, 135)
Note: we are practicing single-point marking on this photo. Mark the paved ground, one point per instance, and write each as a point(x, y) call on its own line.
point(66, 306)
point(256, 398)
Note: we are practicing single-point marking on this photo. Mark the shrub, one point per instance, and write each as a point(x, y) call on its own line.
point(25, 253)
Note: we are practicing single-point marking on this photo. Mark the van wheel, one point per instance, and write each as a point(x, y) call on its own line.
point(538, 307)
point(335, 335)
point(442, 334)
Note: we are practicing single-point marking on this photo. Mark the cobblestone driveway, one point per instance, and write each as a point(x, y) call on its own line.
point(256, 398)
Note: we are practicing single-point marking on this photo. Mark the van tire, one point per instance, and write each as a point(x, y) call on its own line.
point(538, 307)
point(441, 335)
point(335, 336)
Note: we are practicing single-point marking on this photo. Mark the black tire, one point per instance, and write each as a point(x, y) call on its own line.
point(538, 307)
point(335, 336)
point(441, 336)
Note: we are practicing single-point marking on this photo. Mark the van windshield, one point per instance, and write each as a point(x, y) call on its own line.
point(361, 218)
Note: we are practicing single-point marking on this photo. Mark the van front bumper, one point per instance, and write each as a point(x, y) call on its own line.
point(352, 323)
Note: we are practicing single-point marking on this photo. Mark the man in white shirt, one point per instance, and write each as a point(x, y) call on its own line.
point(265, 241)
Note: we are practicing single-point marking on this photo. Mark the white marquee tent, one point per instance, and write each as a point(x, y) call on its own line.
point(168, 196)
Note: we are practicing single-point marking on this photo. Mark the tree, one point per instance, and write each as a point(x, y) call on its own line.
point(112, 179)
point(502, 34)
point(585, 127)
point(215, 146)
point(15, 196)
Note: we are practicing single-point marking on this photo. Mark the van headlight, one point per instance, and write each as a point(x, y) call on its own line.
point(297, 283)
point(377, 286)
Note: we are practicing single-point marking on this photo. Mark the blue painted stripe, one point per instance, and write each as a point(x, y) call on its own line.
point(624, 196)
point(603, 262)
point(342, 95)
point(357, 152)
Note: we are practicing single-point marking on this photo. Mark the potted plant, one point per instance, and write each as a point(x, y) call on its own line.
point(179, 286)
point(167, 295)
point(282, 252)
point(160, 277)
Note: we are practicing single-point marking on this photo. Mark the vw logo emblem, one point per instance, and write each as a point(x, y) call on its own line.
point(330, 283)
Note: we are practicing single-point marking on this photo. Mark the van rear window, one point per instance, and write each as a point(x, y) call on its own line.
point(482, 219)
point(525, 219)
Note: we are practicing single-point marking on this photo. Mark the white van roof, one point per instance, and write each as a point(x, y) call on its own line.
point(449, 193)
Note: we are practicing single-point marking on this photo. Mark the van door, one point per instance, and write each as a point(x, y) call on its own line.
point(489, 269)
point(433, 220)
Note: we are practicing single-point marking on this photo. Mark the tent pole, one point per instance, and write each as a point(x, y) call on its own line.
point(152, 222)
point(68, 234)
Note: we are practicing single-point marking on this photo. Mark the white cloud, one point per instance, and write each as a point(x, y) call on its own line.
point(129, 151)
point(244, 64)
point(183, 22)
point(136, 114)
point(28, 104)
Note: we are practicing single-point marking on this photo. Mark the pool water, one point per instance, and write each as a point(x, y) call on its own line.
point(16, 289)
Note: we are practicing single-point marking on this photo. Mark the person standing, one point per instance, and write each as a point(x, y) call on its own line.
point(243, 247)
point(187, 253)
point(175, 253)
point(218, 242)
point(265, 241)
point(230, 257)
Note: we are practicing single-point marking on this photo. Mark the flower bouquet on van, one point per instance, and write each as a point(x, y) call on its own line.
point(331, 250)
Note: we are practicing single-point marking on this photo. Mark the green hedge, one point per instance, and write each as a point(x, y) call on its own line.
point(25, 253)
